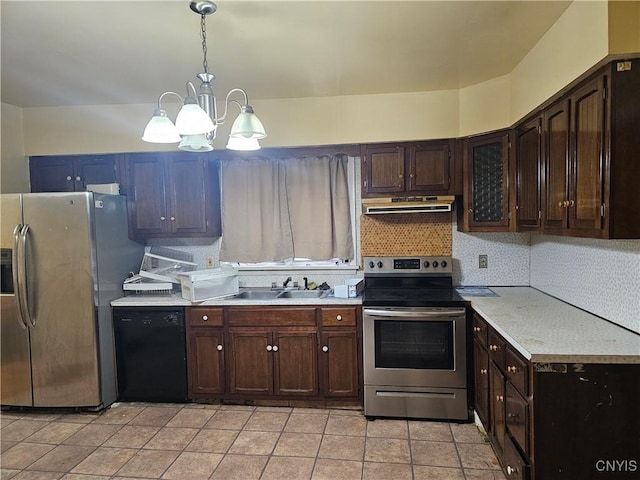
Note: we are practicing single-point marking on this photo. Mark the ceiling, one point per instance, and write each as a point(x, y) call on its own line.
point(111, 52)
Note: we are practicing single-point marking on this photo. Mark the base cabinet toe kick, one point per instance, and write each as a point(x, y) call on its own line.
point(549, 421)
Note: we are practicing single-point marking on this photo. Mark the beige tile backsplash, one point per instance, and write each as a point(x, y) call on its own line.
point(406, 234)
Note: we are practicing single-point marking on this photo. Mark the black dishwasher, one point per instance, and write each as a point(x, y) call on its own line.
point(151, 358)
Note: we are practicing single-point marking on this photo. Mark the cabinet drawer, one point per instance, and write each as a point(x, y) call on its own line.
point(517, 417)
point(496, 349)
point(265, 316)
point(515, 466)
point(517, 370)
point(204, 316)
point(480, 329)
point(335, 317)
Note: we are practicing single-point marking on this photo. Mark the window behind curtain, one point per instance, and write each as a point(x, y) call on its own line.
point(274, 209)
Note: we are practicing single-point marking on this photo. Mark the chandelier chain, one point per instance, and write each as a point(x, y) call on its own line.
point(203, 34)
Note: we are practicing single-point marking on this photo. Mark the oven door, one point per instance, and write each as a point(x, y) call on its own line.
point(415, 347)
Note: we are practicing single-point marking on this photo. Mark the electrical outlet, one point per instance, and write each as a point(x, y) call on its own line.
point(209, 261)
point(483, 261)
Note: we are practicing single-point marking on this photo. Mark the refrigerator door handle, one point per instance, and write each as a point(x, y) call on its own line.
point(24, 299)
point(15, 263)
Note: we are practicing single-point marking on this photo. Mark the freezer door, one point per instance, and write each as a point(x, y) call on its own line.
point(15, 365)
point(62, 299)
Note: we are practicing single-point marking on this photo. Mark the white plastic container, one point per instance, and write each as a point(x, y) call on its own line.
point(201, 285)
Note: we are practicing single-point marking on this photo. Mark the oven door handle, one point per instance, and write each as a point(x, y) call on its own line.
point(415, 314)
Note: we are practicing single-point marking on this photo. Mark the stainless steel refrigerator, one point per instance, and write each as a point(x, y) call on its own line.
point(64, 257)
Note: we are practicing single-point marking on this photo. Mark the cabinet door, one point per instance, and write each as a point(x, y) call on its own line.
point(429, 168)
point(556, 172)
point(528, 168)
point(497, 405)
point(51, 174)
point(339, 363)
point(206, 361)
point(147, 206)
point(295, 362)
point(90, 170)
point(250, 364)
point(486, 197)
point(187, 184)
point(585, 192)
point(481, 361)
point(383, 170)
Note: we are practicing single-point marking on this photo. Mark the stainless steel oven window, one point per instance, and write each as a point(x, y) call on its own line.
point(414, 345)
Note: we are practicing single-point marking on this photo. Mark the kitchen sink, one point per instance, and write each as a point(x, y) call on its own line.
point(279, 294)
point(258, 294)
point(303, 294)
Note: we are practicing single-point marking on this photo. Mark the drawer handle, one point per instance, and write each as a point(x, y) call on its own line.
point(511, 369)
point(483, 371)
point(511, 470)
point(325, 348)
point(269, 348)
point(219, 347)
point(339, 318)
point(275, 348)
point(205, 318)
point(500, 398)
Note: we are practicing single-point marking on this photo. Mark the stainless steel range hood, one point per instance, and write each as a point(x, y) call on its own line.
point(377, 206)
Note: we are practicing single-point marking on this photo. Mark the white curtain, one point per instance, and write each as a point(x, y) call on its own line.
point(278, 208)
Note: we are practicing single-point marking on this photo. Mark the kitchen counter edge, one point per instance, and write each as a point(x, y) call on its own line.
point(545, 329)
point(177, 301)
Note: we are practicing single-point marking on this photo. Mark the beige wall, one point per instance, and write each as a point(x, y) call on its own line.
point(14, 169)
point(624, 27)
point(576, 42)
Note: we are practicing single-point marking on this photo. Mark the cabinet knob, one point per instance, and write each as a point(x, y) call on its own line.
point(476, 329)
point(483, 371)
point(219, 347)
point(78, 179)
point(68, 177)
point(275, 348)
point(339, 318)
point(411, 176)
point(400, 176)
point(511, 369)
point(500, 398)
point(325, 348)
point(511, 470)
point(571, 203)
point(163, 218)
point(561, 204)
point(173, 219)
point(269, 348)
point(471, 210)
point(493, 348)
point(205, 318)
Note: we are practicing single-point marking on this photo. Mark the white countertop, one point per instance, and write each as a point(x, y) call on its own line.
point(176, 300)
point(547, 330)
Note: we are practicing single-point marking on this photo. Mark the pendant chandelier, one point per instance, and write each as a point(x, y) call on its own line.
point(197, 121)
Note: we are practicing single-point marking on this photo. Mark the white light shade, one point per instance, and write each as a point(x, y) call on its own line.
point(247, 125)
point(193, 120)
point(160, 129)
point(195, 143)
point(243, 144)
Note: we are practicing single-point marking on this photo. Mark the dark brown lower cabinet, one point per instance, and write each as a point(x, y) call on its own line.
point(557, 421)
point(274, 352)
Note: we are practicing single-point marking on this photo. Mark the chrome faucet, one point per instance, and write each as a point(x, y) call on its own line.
point(286, 282)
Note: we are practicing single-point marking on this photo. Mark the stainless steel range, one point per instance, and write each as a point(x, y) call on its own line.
point(415, 334)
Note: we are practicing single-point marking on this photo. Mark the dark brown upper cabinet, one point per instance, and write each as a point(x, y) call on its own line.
point(72, 173)
point(486, 201)
point(173, 194)
point(528, 158)
point(590, 157)
point(410, 168)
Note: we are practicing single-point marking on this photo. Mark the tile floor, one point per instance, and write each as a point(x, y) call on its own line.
point(227, 442)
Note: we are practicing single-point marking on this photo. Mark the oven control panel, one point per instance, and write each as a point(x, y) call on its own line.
point(408, 265)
